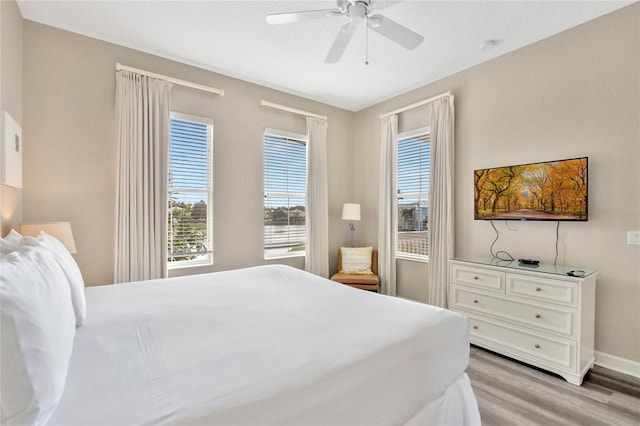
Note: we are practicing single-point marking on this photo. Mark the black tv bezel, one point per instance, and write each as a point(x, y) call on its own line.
point(532, 219)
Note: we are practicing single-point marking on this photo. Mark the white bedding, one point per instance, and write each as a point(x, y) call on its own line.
point(264, 345)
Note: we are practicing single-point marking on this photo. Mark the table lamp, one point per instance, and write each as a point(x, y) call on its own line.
point(351, 212)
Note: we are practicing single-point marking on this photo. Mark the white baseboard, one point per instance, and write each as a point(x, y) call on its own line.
point(618, 364)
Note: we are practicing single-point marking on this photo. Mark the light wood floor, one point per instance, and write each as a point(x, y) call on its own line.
point(511, 393)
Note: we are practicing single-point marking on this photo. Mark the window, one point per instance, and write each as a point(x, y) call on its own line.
point(414, 152)
point(190, 239)
point(285, 185)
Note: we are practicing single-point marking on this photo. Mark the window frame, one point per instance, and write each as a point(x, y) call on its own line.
point(303, 138)
point(209, 259)
point(419, 132)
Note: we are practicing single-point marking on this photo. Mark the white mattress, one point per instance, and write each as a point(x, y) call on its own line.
point(263, 345)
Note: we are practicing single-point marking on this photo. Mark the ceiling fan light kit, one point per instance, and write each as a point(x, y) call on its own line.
point(356, 11)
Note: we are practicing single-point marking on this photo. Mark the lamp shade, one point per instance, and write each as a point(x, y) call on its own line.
point(351, 211)
point(59, 230)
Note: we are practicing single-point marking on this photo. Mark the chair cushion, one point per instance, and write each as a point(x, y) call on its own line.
point(369, 279)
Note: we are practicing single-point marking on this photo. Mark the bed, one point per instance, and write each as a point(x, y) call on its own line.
point(261, 346)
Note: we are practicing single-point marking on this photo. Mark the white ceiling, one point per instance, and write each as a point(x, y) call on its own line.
point(233, 38)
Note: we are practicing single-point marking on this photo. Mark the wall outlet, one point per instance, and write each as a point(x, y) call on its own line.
point(633, 237)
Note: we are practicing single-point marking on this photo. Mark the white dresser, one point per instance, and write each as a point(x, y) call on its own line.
point(535, 314)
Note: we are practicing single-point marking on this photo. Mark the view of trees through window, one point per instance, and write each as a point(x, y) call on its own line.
point(190, 191)
point(285, 183)
point(413, 186)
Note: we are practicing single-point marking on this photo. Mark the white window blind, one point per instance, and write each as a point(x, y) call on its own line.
point(285, 184)
point(414, 152)
point(190, 225)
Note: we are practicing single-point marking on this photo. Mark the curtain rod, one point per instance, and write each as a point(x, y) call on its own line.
point(417, 104)
point(289, 109)
point(120, 67)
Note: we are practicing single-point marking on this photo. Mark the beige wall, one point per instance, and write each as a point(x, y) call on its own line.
point(10, 99)
point(70, 161)
point(574, 94)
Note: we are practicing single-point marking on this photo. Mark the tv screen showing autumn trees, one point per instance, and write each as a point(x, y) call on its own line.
point(555, 190)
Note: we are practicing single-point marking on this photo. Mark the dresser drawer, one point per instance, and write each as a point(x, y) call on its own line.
point(544, 318)
point(478, 277)
point(547, 290)
point(556, 353)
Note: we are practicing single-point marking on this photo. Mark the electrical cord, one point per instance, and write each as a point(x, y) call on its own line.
point(506, 223)
point(503, 255)
point(557, 238)
point(506, 256)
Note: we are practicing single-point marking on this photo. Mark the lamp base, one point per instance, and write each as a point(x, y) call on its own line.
point(353, 229)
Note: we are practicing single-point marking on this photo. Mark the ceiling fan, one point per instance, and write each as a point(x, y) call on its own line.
point(357, 11)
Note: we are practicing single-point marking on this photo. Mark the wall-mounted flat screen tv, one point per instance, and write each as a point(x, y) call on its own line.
point(552, 190)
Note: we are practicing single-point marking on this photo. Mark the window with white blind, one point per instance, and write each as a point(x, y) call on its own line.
point(285, 184)
point(190, 239)
point(414, 153)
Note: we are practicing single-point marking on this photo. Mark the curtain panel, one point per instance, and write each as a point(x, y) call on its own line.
point(143, 114)
point(388, 205)
point(317, 200)
point(441, 216)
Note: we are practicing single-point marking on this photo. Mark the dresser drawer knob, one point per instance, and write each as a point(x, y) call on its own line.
point(475, 327)
point(537, 315)
point(537, 346)
point(476, 277)
point(538, 289)
point(475, 300)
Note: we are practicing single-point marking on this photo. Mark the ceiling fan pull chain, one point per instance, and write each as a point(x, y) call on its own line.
point(366, 40)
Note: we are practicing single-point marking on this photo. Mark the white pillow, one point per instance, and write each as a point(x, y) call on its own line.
point(70, 268)
point(36, 335)
point(356, 260)
point(10, 243)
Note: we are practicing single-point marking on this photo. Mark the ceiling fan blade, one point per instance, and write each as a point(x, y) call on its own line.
point(340, 44)
point(307, 15)
point(395, 32)
point(378, 4)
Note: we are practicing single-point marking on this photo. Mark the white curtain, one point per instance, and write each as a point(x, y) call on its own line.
point(387, 205)
point(441, 217)
point(143, 112)
point(317, 220)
